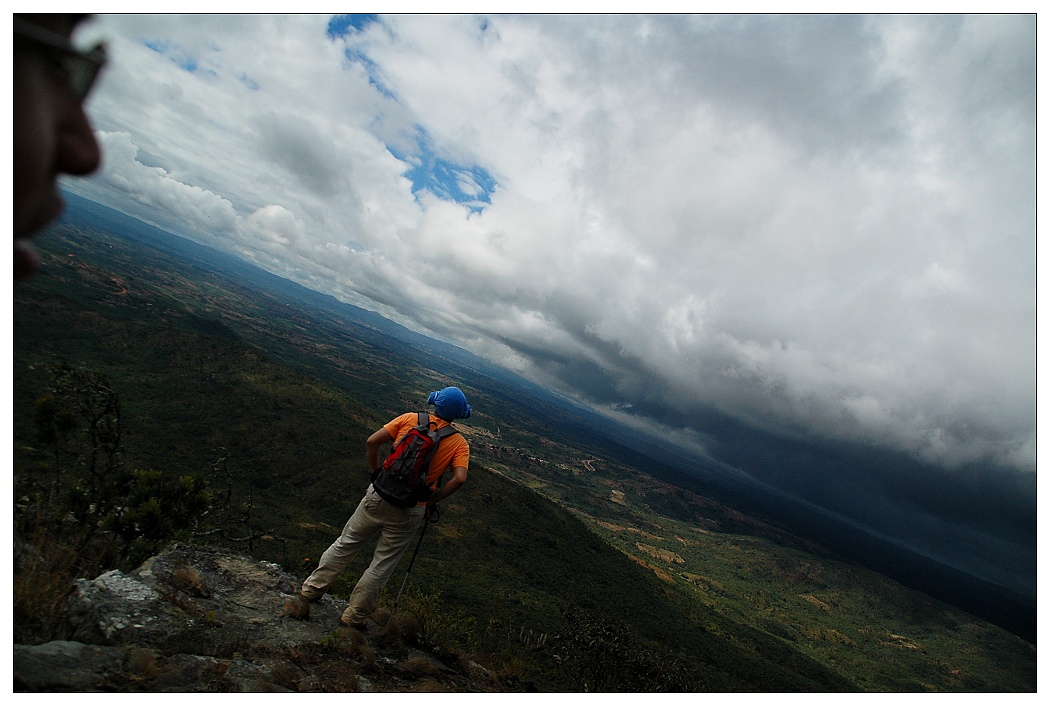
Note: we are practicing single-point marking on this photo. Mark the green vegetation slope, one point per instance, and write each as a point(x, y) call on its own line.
point(275, 404)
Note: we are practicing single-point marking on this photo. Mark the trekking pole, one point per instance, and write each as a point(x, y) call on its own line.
point(426, 523)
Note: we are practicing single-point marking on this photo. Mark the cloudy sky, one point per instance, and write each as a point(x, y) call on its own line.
point(820, 228)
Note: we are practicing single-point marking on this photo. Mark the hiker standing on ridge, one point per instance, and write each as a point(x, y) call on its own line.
point(395, 510)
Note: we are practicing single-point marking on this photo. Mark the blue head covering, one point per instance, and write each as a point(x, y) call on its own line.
point(450, 404)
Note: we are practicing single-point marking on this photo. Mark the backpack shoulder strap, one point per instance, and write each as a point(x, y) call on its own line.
point(445, 432)
point(442, 433)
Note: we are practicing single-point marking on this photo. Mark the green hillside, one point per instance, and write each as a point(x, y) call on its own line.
point(220, 378)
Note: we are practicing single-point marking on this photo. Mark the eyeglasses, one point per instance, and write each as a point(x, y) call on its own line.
point(80, 67)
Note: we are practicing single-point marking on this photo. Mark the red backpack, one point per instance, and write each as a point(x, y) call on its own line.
point(402, 479)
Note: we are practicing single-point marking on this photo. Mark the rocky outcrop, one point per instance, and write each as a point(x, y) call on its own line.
point(204, 619)
point(195, 598)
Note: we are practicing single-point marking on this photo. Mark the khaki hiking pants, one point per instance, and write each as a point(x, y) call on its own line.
point(397, 526)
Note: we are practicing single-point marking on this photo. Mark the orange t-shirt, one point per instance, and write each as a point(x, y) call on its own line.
point(452, 452)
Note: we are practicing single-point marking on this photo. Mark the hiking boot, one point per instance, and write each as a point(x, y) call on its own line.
point(346, 620)
point(360, 627)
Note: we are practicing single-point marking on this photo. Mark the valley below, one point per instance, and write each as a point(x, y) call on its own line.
point(268, 392)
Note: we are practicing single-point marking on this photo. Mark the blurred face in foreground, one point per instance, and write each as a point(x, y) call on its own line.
point(52, 134)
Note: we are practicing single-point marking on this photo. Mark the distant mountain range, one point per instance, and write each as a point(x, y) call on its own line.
point(565, 418)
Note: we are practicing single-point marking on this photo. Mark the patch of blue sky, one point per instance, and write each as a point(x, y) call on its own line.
point(372, 69)
point(175, 54)
point(249, 82)
point(341, 25)
point(467, 184)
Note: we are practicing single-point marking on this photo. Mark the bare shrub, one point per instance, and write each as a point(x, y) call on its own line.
point(419, 667)
point(298, 608)
point(430, 686)
point(188, 580)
